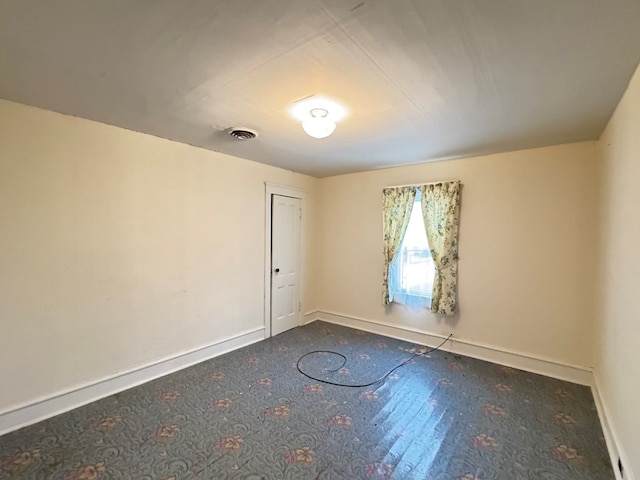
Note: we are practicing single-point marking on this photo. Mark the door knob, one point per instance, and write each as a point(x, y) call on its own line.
point(277, 270)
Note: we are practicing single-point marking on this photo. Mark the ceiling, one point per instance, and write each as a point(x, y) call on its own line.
point(421, 80)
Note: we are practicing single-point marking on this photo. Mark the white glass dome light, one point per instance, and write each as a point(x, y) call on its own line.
point(318, 124)
point(318, 115)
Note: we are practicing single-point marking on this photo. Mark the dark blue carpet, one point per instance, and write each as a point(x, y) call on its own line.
point(251, 415)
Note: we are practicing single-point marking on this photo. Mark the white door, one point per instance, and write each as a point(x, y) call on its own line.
point(285, 263)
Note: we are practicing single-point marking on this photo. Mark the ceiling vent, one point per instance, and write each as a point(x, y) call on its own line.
point(242, 133)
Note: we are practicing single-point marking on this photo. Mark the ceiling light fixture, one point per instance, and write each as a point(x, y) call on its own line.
point(318, 124)
point(318, 115)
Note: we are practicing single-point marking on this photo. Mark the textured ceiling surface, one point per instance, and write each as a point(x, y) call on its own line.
point(421, 80)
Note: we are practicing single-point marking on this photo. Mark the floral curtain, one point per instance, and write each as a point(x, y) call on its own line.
point(396, 212)
point(440, 209)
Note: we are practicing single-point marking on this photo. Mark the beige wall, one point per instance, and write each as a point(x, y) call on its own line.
point(527, 250)
point(118, 249)
point(618, 333)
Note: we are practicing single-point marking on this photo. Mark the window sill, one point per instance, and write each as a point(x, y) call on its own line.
point(409, 300)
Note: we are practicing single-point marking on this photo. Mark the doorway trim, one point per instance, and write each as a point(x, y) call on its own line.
point(272, 189)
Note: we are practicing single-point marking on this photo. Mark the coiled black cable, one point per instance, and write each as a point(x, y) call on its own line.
point(380, 380)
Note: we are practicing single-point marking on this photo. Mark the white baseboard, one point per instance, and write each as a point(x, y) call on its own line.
point(616, 451)
point(41, 409)
point(309, 317)
point(522, 361)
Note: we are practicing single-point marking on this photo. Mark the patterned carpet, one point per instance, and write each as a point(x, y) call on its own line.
point(251, 415)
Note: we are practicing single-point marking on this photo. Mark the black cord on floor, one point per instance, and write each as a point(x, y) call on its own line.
point(344, 362)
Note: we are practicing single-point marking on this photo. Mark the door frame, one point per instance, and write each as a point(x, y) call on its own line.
point(272, 189)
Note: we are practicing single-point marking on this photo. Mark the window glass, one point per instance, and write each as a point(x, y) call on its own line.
point(412, 269)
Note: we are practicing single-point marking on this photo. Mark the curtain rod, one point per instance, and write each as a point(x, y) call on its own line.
point(419, 184)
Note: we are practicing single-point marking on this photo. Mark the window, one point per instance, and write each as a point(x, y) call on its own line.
point(412, 269)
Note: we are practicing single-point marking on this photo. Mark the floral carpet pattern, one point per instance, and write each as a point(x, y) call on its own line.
point(251, 415)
